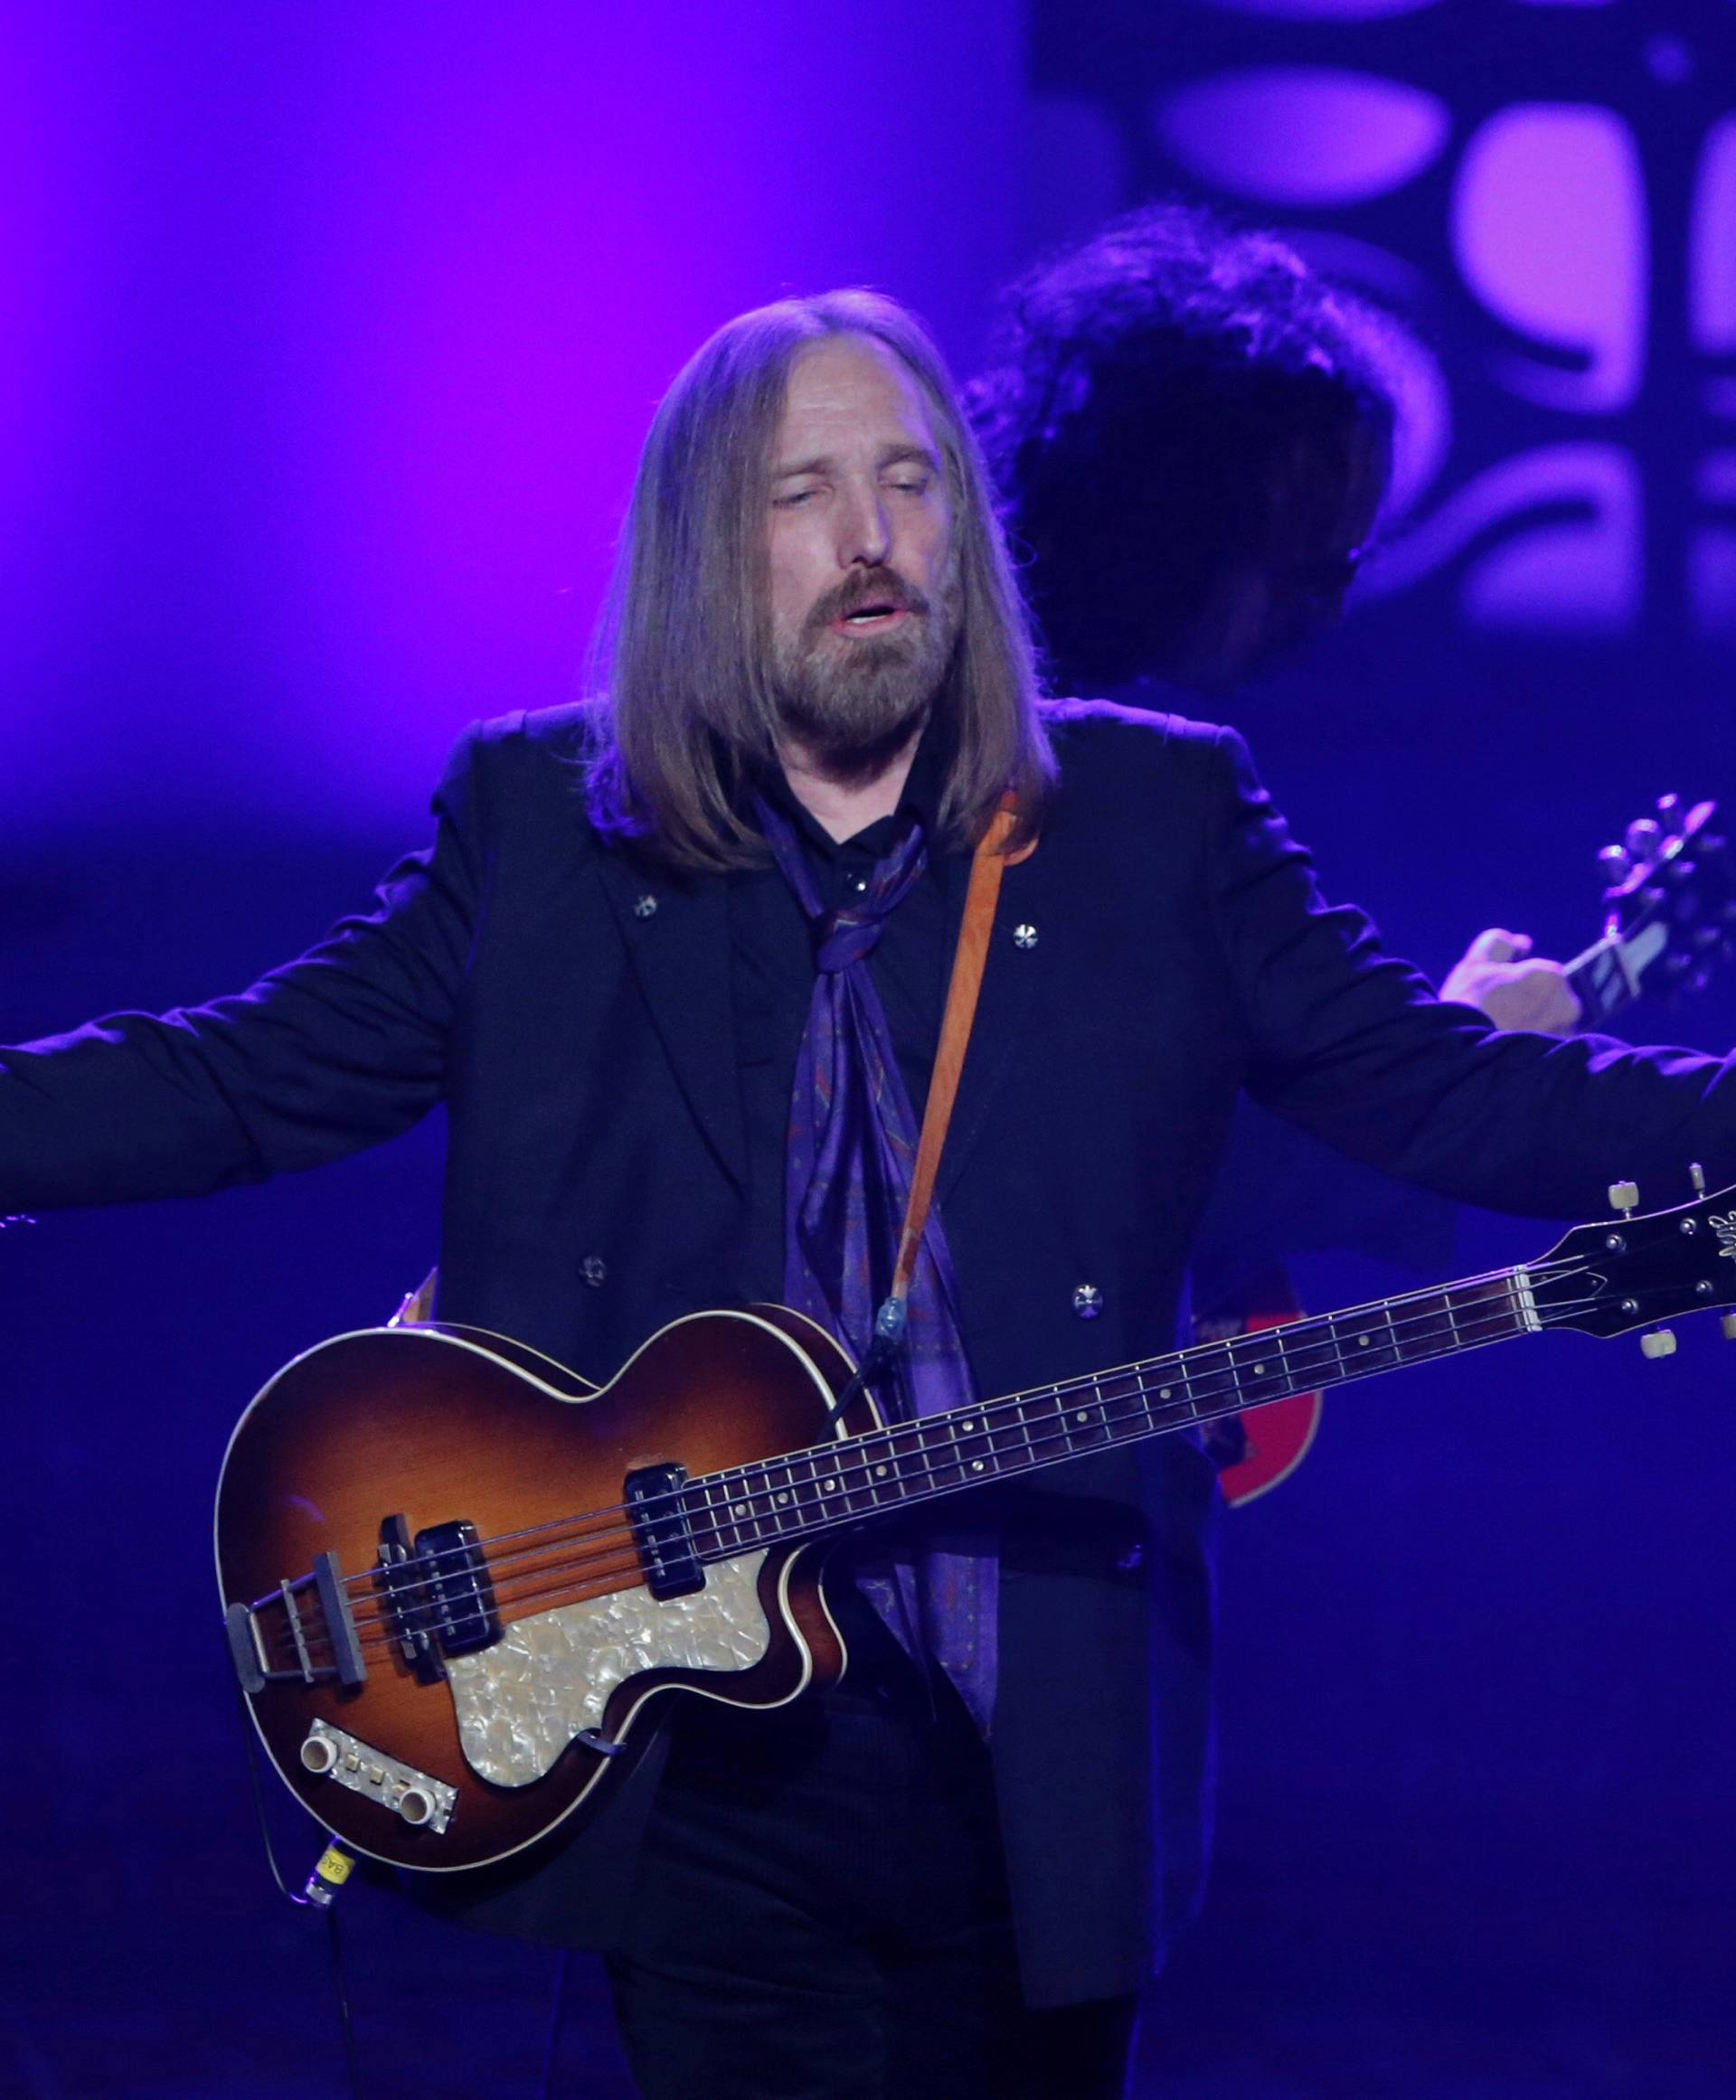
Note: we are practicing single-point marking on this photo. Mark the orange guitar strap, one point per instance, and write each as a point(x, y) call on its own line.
point(986, 867)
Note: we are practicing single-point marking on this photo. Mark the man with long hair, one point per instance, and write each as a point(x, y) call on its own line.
point(676, 965)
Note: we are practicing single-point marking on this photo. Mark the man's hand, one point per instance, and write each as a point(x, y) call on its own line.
point(1515, 989)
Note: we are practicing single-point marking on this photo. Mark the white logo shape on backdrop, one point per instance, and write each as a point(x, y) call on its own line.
point(1551, 233)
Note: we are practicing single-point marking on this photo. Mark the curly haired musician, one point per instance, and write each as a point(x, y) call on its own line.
point(674, 964)
point(1192, 433)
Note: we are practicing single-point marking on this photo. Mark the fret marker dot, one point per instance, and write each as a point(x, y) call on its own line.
point(1362, 1341)
point(966, 1426)
point(976, 1465)
point(1163, 1392)
point(1259, 1370)
point(830, 1485)
point(881, 1472)
point(741, 1509)
point(784, 1498)
point(1079, 1416)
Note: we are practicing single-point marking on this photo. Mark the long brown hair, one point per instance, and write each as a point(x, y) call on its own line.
point(680, 705)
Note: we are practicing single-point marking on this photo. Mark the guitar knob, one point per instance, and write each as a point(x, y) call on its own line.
point(1624, 1196)
point(1658, 1342)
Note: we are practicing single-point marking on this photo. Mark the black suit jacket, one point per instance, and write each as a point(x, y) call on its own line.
point(571, 1004)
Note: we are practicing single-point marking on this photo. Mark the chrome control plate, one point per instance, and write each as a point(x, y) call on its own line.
point(425, 1802)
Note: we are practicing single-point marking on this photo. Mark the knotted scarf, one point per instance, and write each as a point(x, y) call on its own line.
point(849, 1157)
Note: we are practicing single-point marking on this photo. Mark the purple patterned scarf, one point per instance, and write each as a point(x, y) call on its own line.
point(849, 1158)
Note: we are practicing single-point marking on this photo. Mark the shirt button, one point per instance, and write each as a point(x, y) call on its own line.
point(1024, 937)
point(595, 1271)
point(1088, 1301)
point(644, 907)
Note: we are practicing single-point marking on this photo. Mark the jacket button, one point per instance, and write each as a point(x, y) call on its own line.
point(1025, 936)
point(595, 1271)
point(644, 907)
point(1088, 1301)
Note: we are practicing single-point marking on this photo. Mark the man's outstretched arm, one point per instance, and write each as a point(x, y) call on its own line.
point(338, 1050)
point(1351, 1044)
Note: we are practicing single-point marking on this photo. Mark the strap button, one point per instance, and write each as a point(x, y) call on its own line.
point(1088, 1301)
point(595, 1271)
point(1025, 936)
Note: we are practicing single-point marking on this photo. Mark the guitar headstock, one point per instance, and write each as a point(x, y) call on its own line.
point(1671, 900)
point(1640, 1269)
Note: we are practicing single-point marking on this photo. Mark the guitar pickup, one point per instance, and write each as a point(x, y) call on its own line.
point(438, 1598)
point(663, 1530)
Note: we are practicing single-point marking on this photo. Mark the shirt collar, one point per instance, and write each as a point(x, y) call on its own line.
point(925, 787)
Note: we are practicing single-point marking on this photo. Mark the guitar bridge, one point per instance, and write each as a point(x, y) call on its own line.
point(315, 1641)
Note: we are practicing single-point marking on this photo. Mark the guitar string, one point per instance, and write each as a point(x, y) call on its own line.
point(561, 1582)
point(572, 1526)
point(614, 1538)
point(574, 1530)
point(1118, 1409)
point(558, 1584)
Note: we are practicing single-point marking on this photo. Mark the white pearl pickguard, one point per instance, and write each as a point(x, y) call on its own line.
point(522, 1702)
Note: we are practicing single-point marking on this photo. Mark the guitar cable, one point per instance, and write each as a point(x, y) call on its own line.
point(331, 1871)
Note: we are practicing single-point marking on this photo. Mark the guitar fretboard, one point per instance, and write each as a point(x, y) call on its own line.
point(833, 1485)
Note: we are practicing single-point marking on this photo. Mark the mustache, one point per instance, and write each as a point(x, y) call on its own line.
point(868, 586)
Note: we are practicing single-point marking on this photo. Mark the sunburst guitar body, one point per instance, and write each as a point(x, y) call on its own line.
point(459, 1662)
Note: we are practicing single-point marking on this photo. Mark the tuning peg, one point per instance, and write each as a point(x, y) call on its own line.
point(1657, 1342)
point(1641, 838)
point(1624, 1196)
point(1669, 807)
point(1728, 1325)
point(1616, 864)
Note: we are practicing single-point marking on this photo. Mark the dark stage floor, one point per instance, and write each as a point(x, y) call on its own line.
point(1311, 1988)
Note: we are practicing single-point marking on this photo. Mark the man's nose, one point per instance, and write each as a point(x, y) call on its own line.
point(865, 539)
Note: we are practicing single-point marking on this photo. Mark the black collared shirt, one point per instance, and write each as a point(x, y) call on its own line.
point(772, 980)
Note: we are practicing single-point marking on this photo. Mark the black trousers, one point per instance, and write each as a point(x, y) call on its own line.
point(821, 1913)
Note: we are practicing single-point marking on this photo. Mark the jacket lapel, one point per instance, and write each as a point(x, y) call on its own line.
point(1010, 976)
point(676, 930)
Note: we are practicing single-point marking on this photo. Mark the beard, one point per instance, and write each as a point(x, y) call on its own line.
point(850, 703)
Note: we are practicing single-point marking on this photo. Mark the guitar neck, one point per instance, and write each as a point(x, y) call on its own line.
point(831, 1485)
point(1606, 977)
